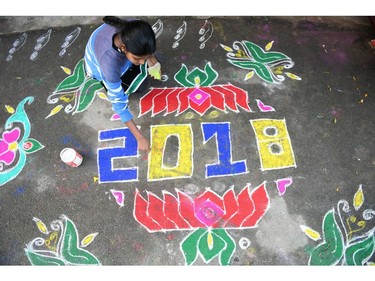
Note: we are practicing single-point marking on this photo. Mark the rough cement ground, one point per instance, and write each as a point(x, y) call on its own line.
point(329, 116)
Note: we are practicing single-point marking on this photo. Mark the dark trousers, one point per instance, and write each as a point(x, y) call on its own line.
point(128, 78)
point(130, 75)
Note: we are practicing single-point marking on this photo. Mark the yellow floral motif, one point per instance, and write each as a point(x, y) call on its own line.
point(55, 110)
point(292, 76)
point(314, 235)
point(269, 46)
point(350, 222)
point(226, 48)
point(210, 240)
point(88, 239)
point(102, 95)
point(13, 146)
point(358, 198)
point(41, 226)
point(67, 97)
point(10, 109)
point(66, 70)
point(241, 54)
point(197, 80)
point(52, 241)
point(278, 69)
point(189, 115)
point(249, 75)
point(213, 114)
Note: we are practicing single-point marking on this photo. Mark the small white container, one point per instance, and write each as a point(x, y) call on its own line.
point(71, 157)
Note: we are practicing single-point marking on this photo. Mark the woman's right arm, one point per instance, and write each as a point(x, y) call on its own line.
point(143, 143)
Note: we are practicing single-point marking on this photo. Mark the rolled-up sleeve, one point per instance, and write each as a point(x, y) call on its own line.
point(119, 100)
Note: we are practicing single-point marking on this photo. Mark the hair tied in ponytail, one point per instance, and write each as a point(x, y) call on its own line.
point(114, 21)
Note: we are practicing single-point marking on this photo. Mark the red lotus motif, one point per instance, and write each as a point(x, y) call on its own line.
point(200, 99)
point(208, 210)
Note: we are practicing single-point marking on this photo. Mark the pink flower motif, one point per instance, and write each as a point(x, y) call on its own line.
point(208, 212)
point(8, 146)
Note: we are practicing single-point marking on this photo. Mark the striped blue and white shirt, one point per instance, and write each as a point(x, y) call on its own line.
point(105, 64)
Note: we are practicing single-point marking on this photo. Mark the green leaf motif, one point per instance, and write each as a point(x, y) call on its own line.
point(189, 246)
point(331, 250)
point(87, 94)
point(75, 80)
point(261, 70)
point(227, 253)
point(223, 245)
point(196, 73)
point(188, 79)
point(181, 75)
point(211, 75)
point(70, 249)
point(207, 253)
point(263, 57)
point(265, 64)
point(34, 146)
point(39, 259)
point(197, 243)
point(360, 252)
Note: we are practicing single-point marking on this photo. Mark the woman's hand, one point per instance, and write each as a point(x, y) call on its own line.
point(154, 68)
point(151, 61)
point(155, 71)
point(143, 144)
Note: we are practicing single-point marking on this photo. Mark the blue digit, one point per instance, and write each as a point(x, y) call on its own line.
point(106, 155)
point(225, 165)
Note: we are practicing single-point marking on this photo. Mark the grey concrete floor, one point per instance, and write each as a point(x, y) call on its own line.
point(299, 190)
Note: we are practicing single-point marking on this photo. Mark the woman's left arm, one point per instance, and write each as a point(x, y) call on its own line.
point(151, 61)
point(154, 67)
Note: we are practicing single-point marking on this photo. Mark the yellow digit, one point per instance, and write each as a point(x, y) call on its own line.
point(157, 170)
point(274, 145)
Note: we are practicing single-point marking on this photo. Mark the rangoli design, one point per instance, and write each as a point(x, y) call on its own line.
point(347, 237)
point(69, 39)
point(41, 42)
point(77, 90)
point(16, 143)
point(207, 216)
point(206, 33)
point(60, 245)
point(267, 65)
point(197, 94)
point(17, 44)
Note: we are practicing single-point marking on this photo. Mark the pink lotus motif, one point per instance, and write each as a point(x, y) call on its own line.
point(9, 146)
point(208, 210)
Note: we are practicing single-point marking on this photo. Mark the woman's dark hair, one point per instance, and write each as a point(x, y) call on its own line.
point(137, 35)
